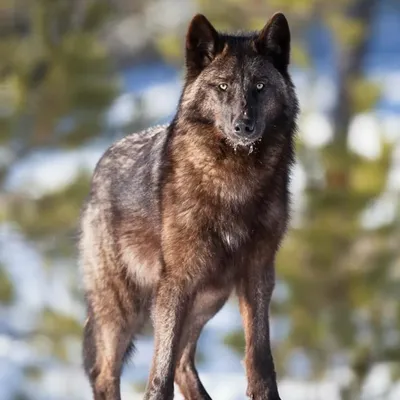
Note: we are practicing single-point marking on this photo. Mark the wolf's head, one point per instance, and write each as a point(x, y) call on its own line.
point(239, 84)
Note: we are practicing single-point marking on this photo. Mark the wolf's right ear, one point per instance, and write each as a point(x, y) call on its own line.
point(201, 44)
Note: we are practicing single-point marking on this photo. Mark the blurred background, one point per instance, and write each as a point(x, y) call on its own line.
point(76, 75)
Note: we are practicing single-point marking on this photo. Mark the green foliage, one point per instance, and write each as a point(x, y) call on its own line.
point(58, 325)
point(336, 270)
point(140, 386)
point(51, 213)
point(33, 372)
point(21, 396)
point(364, 94)
point(170, 47)
point(200, 358)
point(57, 81)
point(6, 287)
point(235, 341)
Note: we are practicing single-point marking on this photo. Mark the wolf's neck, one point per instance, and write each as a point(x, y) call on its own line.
point(218, 166)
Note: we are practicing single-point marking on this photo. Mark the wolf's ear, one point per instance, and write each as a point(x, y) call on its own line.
point(274, 39)
point(201, 43)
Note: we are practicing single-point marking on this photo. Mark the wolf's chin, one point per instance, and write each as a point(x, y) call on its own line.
point(237, 141)
point(242, 143)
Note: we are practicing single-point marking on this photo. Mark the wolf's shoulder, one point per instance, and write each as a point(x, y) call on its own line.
point(134, 159)
point(134, 146)
point(139, 139)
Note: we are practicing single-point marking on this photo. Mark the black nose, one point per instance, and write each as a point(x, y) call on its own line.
point(244, 126)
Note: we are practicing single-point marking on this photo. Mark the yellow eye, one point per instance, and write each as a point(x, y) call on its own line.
point(223, 86)
point(260, 86)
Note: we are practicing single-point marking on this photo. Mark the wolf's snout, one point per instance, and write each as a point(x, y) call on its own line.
point(244, 126)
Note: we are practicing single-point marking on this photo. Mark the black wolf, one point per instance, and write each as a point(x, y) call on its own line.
point(181, 215)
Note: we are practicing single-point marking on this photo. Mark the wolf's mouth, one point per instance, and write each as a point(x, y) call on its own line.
point(244, 143)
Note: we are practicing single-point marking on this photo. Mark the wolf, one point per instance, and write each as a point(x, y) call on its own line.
point(180, 216)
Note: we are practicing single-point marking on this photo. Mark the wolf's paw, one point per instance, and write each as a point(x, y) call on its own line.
point(264, 396)
point(262, 392)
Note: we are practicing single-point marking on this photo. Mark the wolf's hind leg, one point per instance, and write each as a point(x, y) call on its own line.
point(206, 306)
point(113, 319)
point(104, 350)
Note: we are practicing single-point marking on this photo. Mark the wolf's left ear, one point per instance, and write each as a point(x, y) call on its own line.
point(274, 39)
point(201, 43)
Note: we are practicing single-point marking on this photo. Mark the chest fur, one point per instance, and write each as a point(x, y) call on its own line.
point(224, 202)
point(230, 218)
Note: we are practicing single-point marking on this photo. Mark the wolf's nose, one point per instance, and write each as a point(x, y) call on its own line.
point(244, 126)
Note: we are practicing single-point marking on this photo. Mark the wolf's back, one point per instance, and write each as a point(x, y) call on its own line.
point(127, 176)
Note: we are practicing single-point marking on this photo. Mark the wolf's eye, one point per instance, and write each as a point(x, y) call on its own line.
point(260, 86)
point(223, 86)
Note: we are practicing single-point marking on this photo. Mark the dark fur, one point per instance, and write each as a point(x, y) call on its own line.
point(179, 216)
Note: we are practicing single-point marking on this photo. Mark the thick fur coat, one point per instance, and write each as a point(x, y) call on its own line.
point(179, 216)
